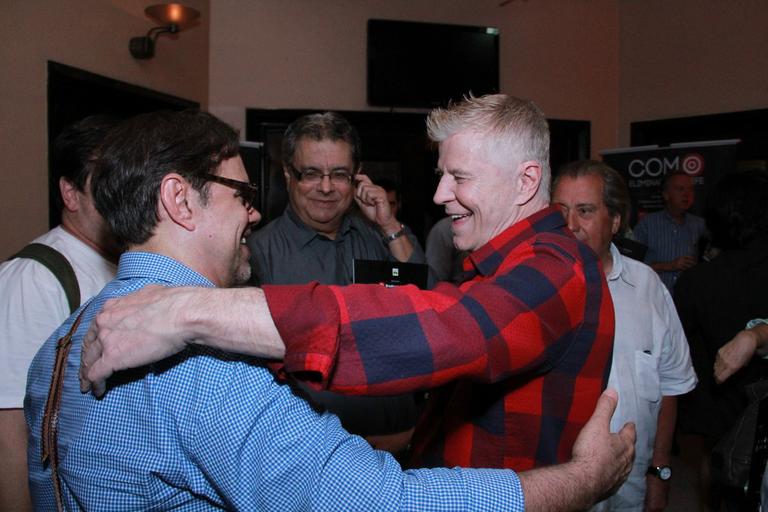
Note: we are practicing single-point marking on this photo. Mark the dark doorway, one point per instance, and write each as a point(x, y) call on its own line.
point(74, 94)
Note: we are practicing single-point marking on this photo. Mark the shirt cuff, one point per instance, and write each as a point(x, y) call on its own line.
point(463, 489)
point(307, 318)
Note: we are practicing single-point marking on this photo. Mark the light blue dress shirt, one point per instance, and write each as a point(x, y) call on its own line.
point(205, 430)
point(667, 240)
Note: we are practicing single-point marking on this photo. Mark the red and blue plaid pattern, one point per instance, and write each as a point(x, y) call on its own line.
point(517, 355)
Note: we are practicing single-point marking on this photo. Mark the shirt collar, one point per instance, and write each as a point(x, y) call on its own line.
point(304, 234)
point(671, 220)
point(619, 270)
point(138, 264)
point(486, 259)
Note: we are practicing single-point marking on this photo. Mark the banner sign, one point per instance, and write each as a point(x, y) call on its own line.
point(645, 167)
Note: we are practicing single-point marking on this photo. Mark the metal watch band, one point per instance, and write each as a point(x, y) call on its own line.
point(661, 472)
point(394, 236)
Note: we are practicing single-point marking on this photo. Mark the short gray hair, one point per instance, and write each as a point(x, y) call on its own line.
point(516, 129)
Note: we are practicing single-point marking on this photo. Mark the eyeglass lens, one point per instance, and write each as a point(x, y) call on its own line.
point(315, 176)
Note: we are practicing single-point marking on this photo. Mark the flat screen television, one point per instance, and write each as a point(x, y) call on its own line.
point(412, 64)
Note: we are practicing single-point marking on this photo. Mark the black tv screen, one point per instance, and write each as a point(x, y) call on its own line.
point(413, 64)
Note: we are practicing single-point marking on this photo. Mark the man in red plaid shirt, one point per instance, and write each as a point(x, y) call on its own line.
point(516, 356)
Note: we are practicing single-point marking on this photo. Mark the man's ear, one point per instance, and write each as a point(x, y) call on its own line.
point(615, 224)
point(528, 181)
point(288, 175)
point(69, 195)
point(175, 196)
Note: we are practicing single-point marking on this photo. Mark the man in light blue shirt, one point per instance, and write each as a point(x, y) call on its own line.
point(206, 430)
point(672, 235)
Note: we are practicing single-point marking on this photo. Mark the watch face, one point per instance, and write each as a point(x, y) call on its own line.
point(665, 472)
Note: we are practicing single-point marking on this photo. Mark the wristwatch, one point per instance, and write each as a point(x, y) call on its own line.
point(663, 473)
point(394, 236)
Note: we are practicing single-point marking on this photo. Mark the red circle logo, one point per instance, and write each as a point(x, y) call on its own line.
point(693, 164)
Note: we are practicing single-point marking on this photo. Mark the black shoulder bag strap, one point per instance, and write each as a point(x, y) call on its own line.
point(58, 264)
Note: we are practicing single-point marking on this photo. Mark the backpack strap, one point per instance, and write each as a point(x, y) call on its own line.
point(58, 264)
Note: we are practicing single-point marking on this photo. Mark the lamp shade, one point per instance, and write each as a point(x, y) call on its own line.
point(172, 14)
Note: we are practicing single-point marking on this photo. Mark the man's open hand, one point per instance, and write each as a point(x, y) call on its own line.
point(131, 331)
point(600, 463)
point(607, 457)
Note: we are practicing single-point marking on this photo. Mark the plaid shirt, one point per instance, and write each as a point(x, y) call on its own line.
point(517, 355)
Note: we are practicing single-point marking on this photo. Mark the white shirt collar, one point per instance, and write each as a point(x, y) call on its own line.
point(619, 270)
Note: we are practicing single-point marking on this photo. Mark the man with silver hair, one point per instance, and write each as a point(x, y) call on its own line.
point(517, 355)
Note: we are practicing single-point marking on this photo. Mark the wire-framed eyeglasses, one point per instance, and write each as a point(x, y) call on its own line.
point(315, 176)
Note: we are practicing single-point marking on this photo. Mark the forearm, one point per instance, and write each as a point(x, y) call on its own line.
point(401, 247)
point(233, 320)
point(663, 266)
point(760, 332)
point(738, 352)
point(562, 487)
point(665, 429)
point(657, 491)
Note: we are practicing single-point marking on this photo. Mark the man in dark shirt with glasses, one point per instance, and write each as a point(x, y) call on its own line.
point(321, 230)
point(334, 215)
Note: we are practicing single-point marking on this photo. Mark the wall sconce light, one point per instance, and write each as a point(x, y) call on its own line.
point(172, 17)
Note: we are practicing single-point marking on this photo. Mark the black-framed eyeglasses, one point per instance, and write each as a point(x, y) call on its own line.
point(247, 192)
point(314, 176)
